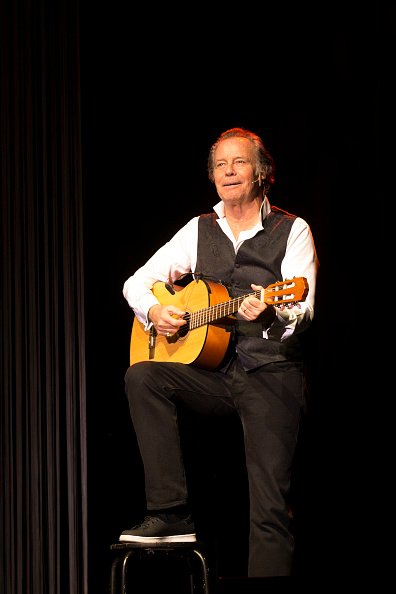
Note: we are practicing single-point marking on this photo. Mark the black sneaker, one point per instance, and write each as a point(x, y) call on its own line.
point(155, 529)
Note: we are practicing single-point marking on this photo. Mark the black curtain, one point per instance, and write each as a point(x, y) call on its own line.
point(42, 370)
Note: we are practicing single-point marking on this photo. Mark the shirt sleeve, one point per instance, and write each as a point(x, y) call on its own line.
point(300, 261)
point(174, 259)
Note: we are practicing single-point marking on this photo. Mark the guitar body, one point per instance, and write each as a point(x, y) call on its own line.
point(204, 346)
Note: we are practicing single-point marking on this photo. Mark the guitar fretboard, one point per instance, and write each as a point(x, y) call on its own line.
point(215, 312)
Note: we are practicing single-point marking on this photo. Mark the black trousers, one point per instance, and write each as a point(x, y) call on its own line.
point(269, 401)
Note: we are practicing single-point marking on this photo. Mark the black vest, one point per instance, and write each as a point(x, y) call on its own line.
point(258, 261)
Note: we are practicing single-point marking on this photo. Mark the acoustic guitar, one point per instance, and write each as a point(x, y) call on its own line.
point(204, 339)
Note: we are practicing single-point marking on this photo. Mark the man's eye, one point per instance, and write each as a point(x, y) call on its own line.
point(219, 165)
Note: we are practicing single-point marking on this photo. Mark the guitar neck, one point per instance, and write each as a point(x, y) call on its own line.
point(218, 311)
point(278, 294)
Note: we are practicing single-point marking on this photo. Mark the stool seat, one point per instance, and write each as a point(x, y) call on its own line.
point(190, 554)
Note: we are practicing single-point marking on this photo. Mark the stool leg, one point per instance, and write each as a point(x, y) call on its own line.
point(124, 570)
point(114, 579)
point(204, 570)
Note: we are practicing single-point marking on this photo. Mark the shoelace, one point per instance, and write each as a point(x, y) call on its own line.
point(147, 521)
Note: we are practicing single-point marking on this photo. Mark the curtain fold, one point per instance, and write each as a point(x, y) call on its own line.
point(42, 365)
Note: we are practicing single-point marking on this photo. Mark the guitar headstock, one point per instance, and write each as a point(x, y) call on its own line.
point(286, 291)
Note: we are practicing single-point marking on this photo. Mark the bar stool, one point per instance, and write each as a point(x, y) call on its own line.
point(188, 554)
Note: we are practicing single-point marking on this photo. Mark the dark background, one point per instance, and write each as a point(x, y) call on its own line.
point(157, 90)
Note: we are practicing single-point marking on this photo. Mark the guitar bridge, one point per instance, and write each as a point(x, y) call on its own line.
point(151, 345)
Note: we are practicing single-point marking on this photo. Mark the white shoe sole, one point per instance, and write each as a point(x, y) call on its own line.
point(157, 539)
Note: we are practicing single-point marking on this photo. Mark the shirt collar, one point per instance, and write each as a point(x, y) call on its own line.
point(265, 209)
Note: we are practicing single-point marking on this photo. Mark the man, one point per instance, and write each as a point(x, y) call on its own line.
point(244, 247)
